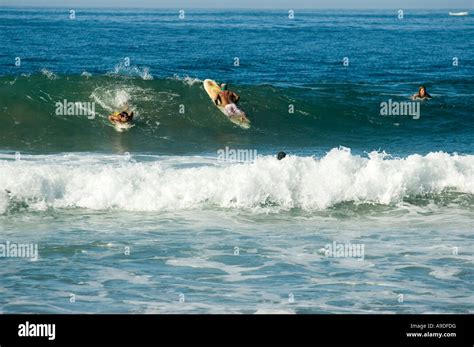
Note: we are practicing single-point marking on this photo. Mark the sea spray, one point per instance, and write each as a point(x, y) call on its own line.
point(172, 183)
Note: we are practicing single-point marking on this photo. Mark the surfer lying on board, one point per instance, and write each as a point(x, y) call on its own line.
point(228, 100)
point(422, 94)
point(122, 117)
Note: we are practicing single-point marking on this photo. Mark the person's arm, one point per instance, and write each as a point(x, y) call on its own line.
point(113, 118)
point(218, 100)
point(236, 97)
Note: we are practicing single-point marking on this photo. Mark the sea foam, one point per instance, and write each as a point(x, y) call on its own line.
point(93, 182)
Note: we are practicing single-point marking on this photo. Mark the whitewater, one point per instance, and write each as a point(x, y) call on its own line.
point(161, 184)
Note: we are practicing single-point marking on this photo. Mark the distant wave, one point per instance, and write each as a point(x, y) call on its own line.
point(306, 183)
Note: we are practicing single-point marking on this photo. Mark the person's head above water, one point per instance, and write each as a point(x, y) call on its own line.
point(422, 91)
point(223, 86)
point(281, 155)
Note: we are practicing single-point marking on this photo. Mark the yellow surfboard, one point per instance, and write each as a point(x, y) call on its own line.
point(212, 89)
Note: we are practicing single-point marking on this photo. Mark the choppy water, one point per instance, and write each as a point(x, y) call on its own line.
point(207, 235)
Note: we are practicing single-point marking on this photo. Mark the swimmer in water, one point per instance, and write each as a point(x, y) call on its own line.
point(422, 94)
point(281, 155)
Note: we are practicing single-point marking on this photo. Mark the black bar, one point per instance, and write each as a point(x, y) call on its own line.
point(255, 329)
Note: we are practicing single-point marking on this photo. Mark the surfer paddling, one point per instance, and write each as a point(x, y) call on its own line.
point(228, 100)
point(122, 117)
point(422, 94)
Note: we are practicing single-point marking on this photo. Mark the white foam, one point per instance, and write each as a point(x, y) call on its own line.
point(190, 81)
point(129, 70)
point(274, 311)
point(49, 74)
point(4, 199)
point(445, 273)
point(100, 182)
point(113, 98)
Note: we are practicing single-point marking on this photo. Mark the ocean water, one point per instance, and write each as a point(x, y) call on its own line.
point(156, 220)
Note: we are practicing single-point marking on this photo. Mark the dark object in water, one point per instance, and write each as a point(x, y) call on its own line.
point(281, 155)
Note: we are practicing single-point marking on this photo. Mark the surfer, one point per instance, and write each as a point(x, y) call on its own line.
point(422, 94)
point(228, 100)
point(281, 155)
point(122, 117)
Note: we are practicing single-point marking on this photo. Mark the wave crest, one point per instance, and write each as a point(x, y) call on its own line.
point(168, 184)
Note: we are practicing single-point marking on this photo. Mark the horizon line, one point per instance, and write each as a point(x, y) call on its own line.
point(231, 8)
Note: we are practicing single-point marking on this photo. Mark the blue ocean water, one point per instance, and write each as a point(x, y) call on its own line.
point(154, 220)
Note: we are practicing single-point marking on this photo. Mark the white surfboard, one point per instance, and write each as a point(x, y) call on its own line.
point(459, 14)
point(212, 89)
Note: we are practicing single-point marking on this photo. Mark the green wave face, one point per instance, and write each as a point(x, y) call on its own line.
point(176, 116)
